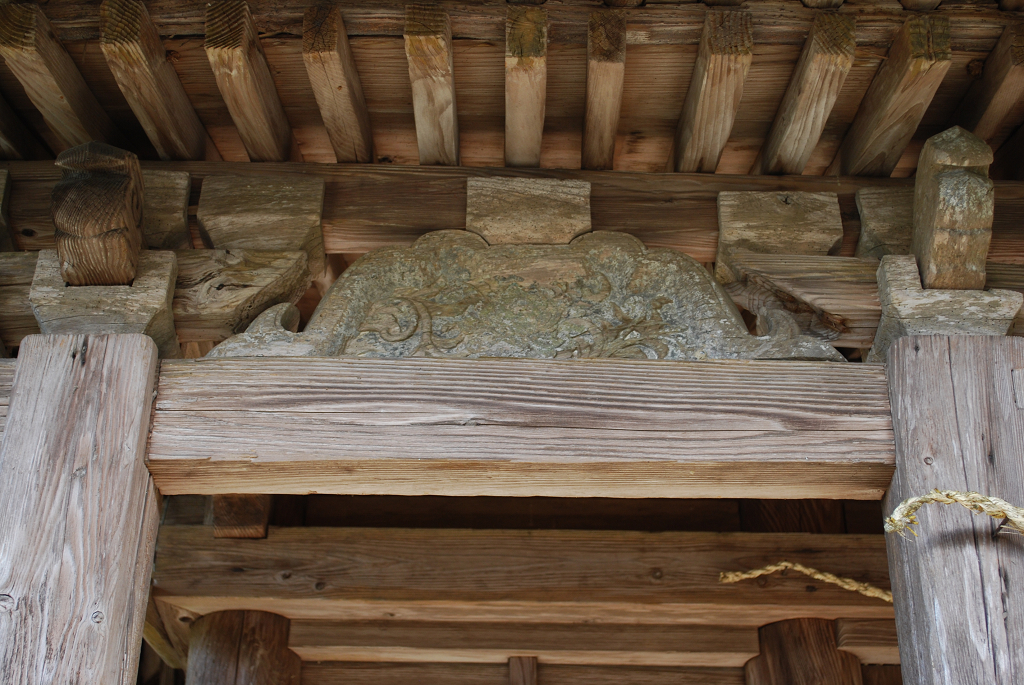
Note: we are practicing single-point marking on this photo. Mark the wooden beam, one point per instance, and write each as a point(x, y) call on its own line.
point(517, 211)
point(50, 79)
point(239, 648)
point(241, 516)
point(872, 641)
point(958, 426)
point(896, 100)
point(138, 62)
point(429, 51)
point(16, 320)
point(881, 674)
point(78, 512)
point(986, 109)
point(818, 78)
point(335, 82)
point(522, 670)
point(606, 71)
point(526, 84)
point(802, 650)
point(243, 78)
point(507, 576)
point(716, 88)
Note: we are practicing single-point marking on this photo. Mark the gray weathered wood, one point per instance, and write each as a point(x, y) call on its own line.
point(165, 209)
point(886, 221)
point(526, 83)
point(430, 54)
point(523, 210)
point(956, 586)
point(606, 72)
point(241, 648)
point(77, 510)
point(16, 317)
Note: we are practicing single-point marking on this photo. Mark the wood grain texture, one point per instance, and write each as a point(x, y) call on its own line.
point(716, 88)
point(76, 510)
point(526, 84)
point(17, 141)
point(241, 648)
point(606, 71)
point(165, 209)
point(802, 652)
point(7, 367)
point(896, 101)
point(530, 577)
point(527, 211)
point(957, 427)
point(872, 641)
point(814, 422)
point(428, 50)
point(138, 62)
point(880, 674)
point(16, 318)
point(334, 77)
point(988, 108)
point(522, 670)
point(239, 64)
point(50, 78)
point(817, 80)
point(241, 516)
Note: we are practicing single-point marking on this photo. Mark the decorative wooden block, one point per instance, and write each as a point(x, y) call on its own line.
point(278, 213)
point(526, 81)
point(776, 223)
point(165, 209)
point(142, 307)
point(514, 211)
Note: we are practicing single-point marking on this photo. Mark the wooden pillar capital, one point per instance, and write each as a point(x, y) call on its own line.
point(241, 648)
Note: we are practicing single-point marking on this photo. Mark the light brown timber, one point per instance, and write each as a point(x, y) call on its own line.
point(241, 516)
point(815, 85)
point(987, 109)
point(138, 62)
point(606, 71)
point(429, 52)
point(897, 98)
point(802, 650)
point(239, 65)
point(78, 513)
point(335, 81)
point(716, 88)
point(872, 641)
point(526, 83)
point(522, 670)
point(241, 648)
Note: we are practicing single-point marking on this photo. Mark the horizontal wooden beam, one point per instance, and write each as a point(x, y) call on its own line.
point(510, 576)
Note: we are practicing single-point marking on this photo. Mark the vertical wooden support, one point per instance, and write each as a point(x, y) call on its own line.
point(819, 76)
point(897, 99)
point(241, 516)
point(51, 80)
point(526, 84)
point(138, 62)
point(335, 81)
point(801, 651)
point(243, 78)
point(990, 99)
point(606, 70)
point(522, 670)
point(241, 648)
point(428, 48)
point(716, 89)
point(78, 512)
point(957, 584)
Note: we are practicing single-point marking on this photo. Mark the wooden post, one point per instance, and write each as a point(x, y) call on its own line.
point(78, 512)
point(241, 648)
point(522, 670)
point(606, 70)
point(428, 49)
point(801, 651)
point(526, 84)
point(957, 584)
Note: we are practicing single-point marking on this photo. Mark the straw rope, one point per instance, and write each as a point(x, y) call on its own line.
point(904, 515)
point(866, 589)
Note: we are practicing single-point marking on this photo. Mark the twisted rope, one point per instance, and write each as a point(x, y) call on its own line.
point(866, 589)
point(904, 515)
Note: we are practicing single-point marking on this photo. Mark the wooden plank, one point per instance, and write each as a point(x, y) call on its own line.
point(716, 89)
point(77, 509)
point(606, 71)
point(957, 427)
point(335, 81)
point(873, 642)
point(529, 577)
point(802, 650)
point(240, 66)
point(812, 422)
point(239, 648)
point(428, 49)
point(987, 108)
point(526, 83)
point(50, 78)
point(897, 99)
point(522, 670)
point(568, 644)
point(138, 62)
point(819, 76)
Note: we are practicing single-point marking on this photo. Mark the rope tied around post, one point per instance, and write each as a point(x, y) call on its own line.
point(904, 515)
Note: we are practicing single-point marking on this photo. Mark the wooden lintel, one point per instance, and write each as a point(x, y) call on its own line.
point(429, 52)
point(526, 82)
point(606, 71)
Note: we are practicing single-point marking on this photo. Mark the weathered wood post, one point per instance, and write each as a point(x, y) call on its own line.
point(958, 419)
point(78, 512)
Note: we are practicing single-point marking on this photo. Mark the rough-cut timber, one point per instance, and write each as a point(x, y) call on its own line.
point(241, 516)
point(987, 109)
point(138, 62)
point(954, 202)
point(526, 577)
point(16, 317)
point(606, 72)
point(799, 651)
point(872, 641)
point(526, 83)
point(78, 514)
point(826, 60)
point(520, 211)
point(959, 614)
point(165, 209)
point(335, 81)
point(240, 66)
point(716, 87)
point(51, 80)
point(429, 52)
point(897, 99)
point(97, 215)
point(241, 648)
point(812, 430)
